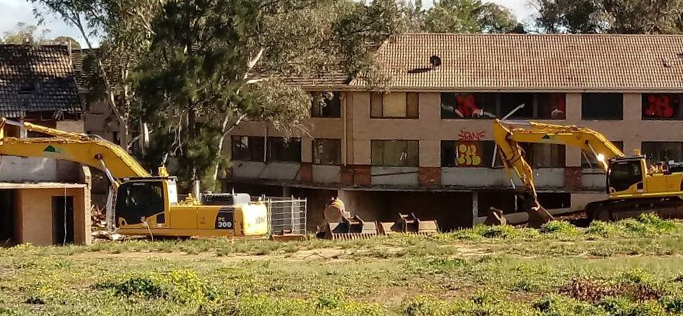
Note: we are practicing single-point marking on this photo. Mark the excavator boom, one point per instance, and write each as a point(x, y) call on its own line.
point(87, 150)
point(632, 185)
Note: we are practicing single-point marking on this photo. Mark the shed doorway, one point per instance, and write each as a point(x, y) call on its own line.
point(62, 220)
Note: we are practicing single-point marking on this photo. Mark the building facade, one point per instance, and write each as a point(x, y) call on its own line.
point(43, 201)
point(424, 144)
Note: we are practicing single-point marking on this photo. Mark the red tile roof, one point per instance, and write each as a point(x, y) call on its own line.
point(526, 62)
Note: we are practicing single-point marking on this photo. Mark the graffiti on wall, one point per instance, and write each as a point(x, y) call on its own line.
point(660, 106)
point(470, 136)
point(469, 154)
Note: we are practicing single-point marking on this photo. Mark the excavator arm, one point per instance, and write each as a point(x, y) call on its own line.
point(508, 135)
point(87, 150)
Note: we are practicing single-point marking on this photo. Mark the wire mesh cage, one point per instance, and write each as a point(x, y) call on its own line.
point(286, 214)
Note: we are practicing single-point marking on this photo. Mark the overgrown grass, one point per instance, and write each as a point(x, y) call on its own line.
point(627, 268)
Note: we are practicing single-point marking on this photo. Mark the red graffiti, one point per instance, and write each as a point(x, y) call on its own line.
point(470, 136)
point(661, 106)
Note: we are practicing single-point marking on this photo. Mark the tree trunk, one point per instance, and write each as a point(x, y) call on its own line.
point(125, 134)
point(214, 177)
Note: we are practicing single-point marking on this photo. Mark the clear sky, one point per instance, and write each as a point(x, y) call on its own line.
point(15, 11)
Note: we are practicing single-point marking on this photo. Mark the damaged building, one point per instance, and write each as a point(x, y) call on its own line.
point(43, 201)
point(427, 146)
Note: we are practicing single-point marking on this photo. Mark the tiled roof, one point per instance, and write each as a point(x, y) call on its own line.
point(332, 79)
point(37, 79)
point(524, 62)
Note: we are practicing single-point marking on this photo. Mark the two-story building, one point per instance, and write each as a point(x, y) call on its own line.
point(424, 144)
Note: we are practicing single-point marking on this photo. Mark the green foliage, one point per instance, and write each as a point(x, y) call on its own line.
point(469, 16)
point(181, 286)
point(24, 34)
point(560, 227)
point(610, 16)
point(200, 80)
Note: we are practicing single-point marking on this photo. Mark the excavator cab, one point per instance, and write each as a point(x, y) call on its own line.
point(624, 173)
point(138, 200)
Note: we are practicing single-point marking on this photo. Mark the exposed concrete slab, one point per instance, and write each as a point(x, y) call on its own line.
point(20, 169)
point(478, 177)
point(273, 170)
point(326, 174)
point(395, 175)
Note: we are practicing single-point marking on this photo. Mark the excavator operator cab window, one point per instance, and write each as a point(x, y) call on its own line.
point(135, 200)
point(623, 174)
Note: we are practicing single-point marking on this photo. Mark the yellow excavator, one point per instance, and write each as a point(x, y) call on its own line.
point(145, 204)
point(633, 184)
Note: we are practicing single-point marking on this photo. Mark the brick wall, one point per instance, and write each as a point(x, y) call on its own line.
point(572, 178)
point(429, 176)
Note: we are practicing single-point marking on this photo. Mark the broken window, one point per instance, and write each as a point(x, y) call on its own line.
point(395, 153)
point(284, 150)
point(510, 101)
point(551, 106)
point(394, 105)
point(468, 154)
point(602, 106)
point(663, 151)
point(468, 105)
point(662, 106)
point(247, 148)
point(327, 151)
point(588, 159)
point(326, 104)
point(544, 155)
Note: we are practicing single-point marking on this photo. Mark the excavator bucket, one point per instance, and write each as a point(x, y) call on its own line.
point(348, 228)
point(409, 224)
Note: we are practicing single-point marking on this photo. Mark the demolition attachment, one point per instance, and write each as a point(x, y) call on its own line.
point(348, 228)
point(410, 224)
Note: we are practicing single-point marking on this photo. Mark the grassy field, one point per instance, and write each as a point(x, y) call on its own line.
point(633, 267)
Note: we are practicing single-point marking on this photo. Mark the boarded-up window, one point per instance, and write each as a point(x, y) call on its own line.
point(376, 104)
point(327, 151)
point(588, 159)
point(394, 105)
point(602, 106)
point(544, 155)
point(663, 106)
point(413, 105)
point(395, 153)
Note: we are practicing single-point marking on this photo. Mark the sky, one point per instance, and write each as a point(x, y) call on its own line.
point(16, 11)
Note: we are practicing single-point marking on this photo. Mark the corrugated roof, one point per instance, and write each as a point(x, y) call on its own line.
point(533, 62)
point(37, 79)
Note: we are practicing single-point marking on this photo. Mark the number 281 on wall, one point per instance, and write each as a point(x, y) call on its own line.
point(469, 154)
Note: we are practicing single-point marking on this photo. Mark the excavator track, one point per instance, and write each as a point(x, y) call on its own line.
point(614, 210)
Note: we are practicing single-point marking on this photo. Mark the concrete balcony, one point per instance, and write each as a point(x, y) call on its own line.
point(487, 177)
point(400, 176)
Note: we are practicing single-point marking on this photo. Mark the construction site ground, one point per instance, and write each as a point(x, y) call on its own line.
point(628, 268)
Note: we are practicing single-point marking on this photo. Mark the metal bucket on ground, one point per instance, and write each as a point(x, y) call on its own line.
point(348, 228)
point(410, 224)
